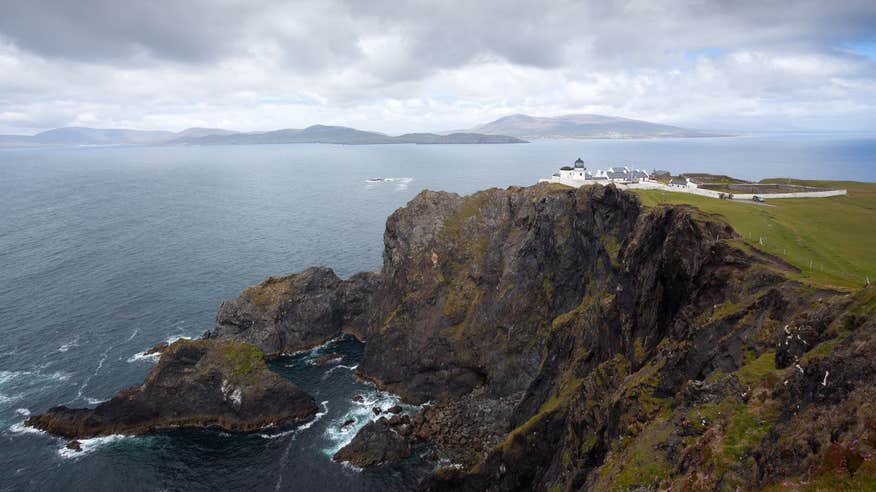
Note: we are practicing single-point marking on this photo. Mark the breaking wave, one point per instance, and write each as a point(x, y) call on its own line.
point(90, 445)
point(360, 413)
point(139, 356)
point(304, 426)
point(400, 183)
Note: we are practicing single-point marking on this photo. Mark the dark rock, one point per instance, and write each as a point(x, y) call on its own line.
point(376, 410)
point(326, 358)
point(375, 444)
point(203, 383)
point(394, 409)
point(74, 445)
point(347, 423)
point(358, 398)
point(299, 311)
point(158, 349)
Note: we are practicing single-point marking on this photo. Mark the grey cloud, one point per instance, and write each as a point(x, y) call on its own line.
point(108, 30)
point(136, 62)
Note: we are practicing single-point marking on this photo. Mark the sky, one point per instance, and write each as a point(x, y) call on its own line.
point(397, 66)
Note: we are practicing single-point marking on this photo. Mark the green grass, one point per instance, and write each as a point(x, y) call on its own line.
point(243, 357)
point(831, 240)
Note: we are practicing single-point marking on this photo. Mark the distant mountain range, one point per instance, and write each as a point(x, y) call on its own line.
point(212, 136)
point(511, 129)
point(584, 126)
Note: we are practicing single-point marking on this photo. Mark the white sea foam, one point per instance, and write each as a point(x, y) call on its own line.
point(10, 398)
point(154, 357)
point(339, 366)
point(20, 428)
point(90, 445)
point(34, 377)
point(350, 466)
point(400, 183)
point(67, 346)
point(304, 426)
point(361, 414)
point(24, 412)
point(144, 356)
point(94, 401)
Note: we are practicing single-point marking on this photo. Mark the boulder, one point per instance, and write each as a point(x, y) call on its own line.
point(375, 444)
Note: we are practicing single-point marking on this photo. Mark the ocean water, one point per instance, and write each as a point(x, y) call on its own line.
point(105, 252)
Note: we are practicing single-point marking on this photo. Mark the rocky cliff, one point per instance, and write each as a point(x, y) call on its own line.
point(196, 383)
point(572, 339)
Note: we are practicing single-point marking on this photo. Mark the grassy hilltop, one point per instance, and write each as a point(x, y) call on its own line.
point(831, 240)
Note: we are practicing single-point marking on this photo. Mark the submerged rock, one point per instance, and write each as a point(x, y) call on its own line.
point(203, 383)
point(327, 358)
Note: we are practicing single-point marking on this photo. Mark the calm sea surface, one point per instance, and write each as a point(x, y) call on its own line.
point(105, 252)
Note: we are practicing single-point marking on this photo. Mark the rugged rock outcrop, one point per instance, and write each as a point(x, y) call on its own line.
point(377, 443)
point(197, 383)
point(298, 311)
point(617, 347)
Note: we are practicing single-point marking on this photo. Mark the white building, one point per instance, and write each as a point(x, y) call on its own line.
point(579, 175)
point(681, 182)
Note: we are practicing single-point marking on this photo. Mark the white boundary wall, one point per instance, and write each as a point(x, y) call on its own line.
point(655, 185)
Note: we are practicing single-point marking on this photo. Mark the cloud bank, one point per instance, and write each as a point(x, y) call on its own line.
point(423, 65)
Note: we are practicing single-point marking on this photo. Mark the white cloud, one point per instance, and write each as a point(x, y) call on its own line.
point(414, 66)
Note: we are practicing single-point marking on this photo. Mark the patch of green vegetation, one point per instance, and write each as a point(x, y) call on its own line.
point(641, 464)
point(820, 350)
point(638, 351)
point(726, 309)
point(745, 430)
point(460, 297)
point(612, 247)
point(242, 357)
point(830, 240)
point(547, 287)
point(863, 479)
point(757, 369)
point(866, 302)
point(268, 292)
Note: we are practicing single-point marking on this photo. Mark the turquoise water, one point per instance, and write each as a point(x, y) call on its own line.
point(105, 252)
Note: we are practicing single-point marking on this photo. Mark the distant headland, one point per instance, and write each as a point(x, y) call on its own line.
point(517, 128)
point(340, 135)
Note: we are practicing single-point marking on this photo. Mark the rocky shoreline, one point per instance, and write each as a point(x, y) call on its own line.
point(196, 383)
point(574, 339)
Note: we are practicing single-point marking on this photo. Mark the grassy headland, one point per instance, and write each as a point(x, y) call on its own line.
point(831, 240)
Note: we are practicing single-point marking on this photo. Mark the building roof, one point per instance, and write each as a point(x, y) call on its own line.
point(566, 168)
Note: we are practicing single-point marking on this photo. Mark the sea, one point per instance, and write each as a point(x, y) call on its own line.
point(107, 251)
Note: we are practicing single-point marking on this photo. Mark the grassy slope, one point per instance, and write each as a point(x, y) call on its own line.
point(837, 235)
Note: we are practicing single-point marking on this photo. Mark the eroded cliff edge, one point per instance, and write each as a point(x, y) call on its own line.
point(572, 339)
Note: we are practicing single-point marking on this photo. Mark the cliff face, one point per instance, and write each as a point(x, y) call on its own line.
point(472, 284)
point(195, 384)
point(571, 339)
point(285, 314)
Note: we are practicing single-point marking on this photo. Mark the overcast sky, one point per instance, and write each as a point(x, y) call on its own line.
point(399, 66)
